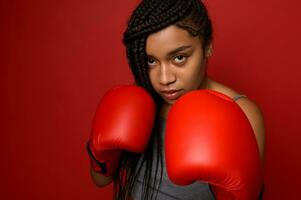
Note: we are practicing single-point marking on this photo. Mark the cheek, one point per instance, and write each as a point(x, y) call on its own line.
point(152, 77)
point(195, 74)
point(194, 79)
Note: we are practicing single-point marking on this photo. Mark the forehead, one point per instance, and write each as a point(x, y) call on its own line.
point(168, 39)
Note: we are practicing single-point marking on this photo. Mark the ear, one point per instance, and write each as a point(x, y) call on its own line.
point(209, 50)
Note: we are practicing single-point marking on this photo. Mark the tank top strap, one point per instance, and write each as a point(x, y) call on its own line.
point(239, 97)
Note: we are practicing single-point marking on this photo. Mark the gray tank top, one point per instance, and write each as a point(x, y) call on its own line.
point(167, 190)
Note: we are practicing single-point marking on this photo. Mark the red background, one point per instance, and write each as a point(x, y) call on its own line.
point(59, 57)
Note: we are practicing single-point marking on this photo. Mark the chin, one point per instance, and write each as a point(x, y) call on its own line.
point(170, 102)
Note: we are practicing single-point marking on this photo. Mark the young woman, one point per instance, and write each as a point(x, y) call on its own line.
point(168, 44)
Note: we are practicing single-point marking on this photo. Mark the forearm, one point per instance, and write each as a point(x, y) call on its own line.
point(99, 179)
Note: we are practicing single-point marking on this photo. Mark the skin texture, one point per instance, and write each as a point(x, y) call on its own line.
point(178, 65)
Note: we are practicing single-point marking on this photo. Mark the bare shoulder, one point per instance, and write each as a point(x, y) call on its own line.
point(256, 119)
point(251, 110)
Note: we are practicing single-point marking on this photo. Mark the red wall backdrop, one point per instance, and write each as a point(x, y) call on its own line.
point(59, 57)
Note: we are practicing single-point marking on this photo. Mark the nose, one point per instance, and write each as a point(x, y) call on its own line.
point(167, 76)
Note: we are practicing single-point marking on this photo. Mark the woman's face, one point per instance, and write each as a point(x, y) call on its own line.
point(176, 62)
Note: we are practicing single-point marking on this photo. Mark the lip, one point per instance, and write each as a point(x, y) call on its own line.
point(171, 94)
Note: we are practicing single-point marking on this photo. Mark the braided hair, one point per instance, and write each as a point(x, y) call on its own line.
point(149, 17)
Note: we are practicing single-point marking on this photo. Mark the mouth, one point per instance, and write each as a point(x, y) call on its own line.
point(171, 94)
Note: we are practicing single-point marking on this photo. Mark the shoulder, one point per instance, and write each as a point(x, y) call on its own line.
point(256, 119)
point(251, 110)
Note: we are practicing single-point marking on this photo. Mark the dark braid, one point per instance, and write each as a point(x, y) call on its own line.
point(149, 17)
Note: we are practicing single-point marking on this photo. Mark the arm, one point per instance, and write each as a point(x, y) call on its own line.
point(256, 119)
point(100, 180)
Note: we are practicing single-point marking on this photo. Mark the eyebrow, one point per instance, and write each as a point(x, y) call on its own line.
point(181, 48)
point(178, 49)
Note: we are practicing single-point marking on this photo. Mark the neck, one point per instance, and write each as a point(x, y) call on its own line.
point(206, 83)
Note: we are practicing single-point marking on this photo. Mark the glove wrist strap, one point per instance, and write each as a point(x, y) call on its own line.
point(98, 167)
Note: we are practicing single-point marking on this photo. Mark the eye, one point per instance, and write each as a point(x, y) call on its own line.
point(180, 59)
point(151, 61)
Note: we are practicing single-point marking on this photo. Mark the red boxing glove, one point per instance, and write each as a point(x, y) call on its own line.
point(209, 138)
point(123, 121)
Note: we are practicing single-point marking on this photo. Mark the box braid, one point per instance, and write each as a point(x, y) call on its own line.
point(149, 17)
